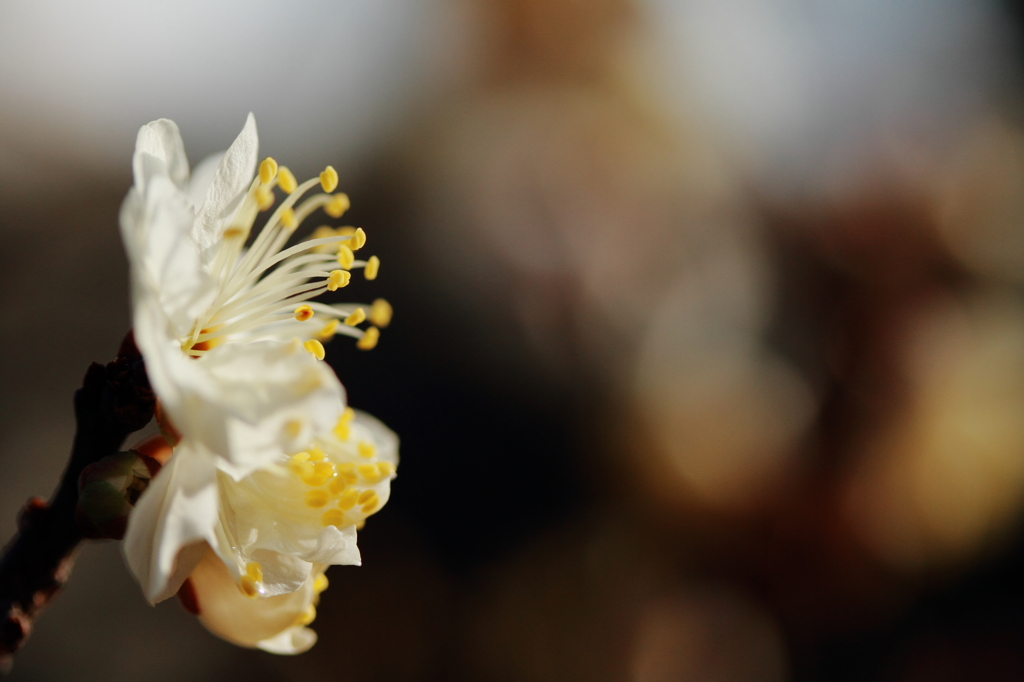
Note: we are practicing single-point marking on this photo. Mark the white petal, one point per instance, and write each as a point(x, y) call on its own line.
point(202, 178)
point(177, 511)
point(246, 621)
point(232, 178)
point(159, 149)
point(165, 260)
point(294, 640)
point(249, 403)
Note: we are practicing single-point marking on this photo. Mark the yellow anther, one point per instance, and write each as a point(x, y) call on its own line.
point(347, 415)
point(385, 469)
point(254, 571)
point(337, 485)
point(360, 524)
point(316, 454)
point(286, 179)
point(315, 481)
point(301, 457)
point(347, 472)
point(333, 517)
point(358, 240)
point(338, 279)
point(268, 169)
point(307, 617)
point(348, 499)
point(337, 205)
point(366, 449)
point(264, 198)
point(358, 315)
point(323, 469)
point(369, 501)
point(249, 587)
point(369, 472)
point(317, 498)
point(327, 332)
point(233, 232)
point(329, 179)
point(315, 348)
point(288, 218)
point(293, 427)
point(345, 257)
point(320, 583)
point(380, 313)
point(369, 340)
point(303, 470)
point(303, 313)
point(372, 267)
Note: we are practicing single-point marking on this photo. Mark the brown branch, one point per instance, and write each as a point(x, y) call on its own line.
point(113, 401)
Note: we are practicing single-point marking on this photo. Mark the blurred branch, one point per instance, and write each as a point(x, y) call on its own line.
point(114, 401)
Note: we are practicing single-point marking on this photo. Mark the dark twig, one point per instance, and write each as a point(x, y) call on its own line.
point(113, 401)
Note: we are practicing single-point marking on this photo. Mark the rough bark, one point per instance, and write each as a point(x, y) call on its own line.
point(114, 401)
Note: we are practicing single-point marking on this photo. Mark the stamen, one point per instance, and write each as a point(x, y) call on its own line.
point(329, 179)
point(327, 333)
point(286, 180)
point(316, 498)
point(372, 267)
point(348, 499)
point(315, 348)
point(369, 472)
point(385, 469)
point(249, 587)
point(380, 313)
point(366, 449)
point(333, 517)
point(320, 583)
point(338, 279)
point(337, 205)
point(370, 338)
point(307, 617)
point(264, 198)
point(254, 571)
point(345, 257)
point(288, 218)
point(360, 239)
point(303, 313)
point(347, 471)
point(268, 170)
point(358, 315)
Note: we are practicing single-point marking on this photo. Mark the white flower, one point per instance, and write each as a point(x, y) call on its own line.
point(210, 315)
point(258, 571)
point(232, 348)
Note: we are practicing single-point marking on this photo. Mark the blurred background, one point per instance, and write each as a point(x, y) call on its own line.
point(708, 357)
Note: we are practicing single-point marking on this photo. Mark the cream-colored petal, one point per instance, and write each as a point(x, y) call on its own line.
point(234, 173)
point(249, 621)
point(249, 403)
point(159, 150)
point(173, 515)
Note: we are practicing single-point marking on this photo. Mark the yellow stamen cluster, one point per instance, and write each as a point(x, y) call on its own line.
point(262, 282)
point(343, 492)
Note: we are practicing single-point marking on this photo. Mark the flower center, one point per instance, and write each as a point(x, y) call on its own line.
point(263, 289)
